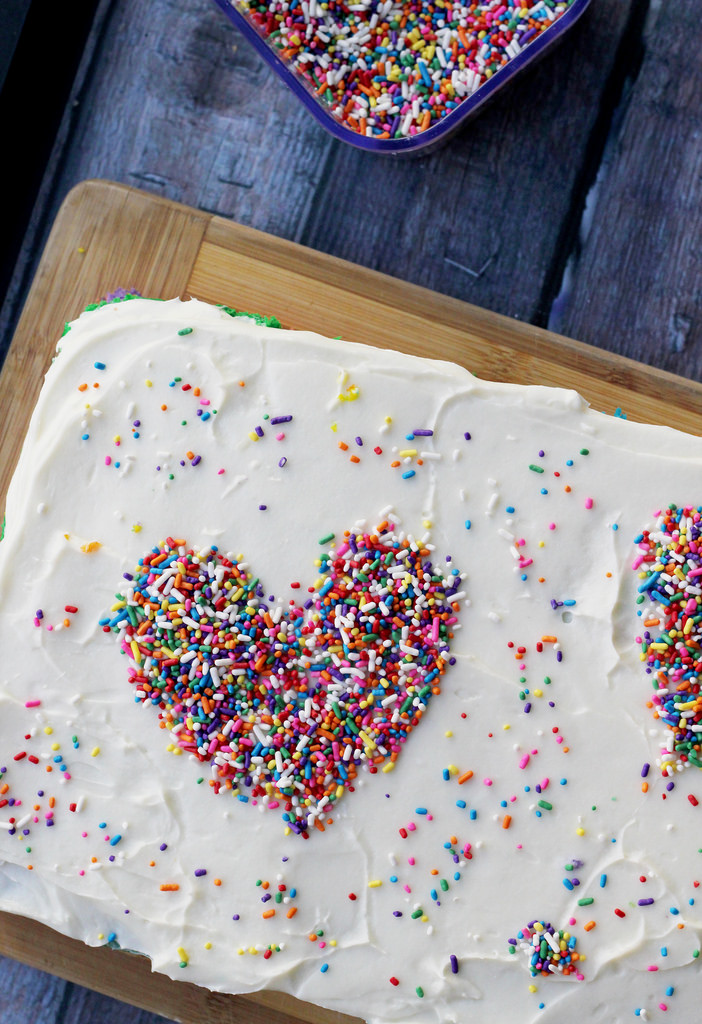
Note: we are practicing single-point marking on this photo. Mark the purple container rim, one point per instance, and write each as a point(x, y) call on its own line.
point(411, 143)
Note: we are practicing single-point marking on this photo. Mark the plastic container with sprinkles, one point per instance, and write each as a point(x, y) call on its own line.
point(393, 77)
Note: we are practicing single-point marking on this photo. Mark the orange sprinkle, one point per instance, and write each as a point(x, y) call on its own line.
point(268, 913)
point(354, 458)
point(589, 926)
point(82, 387)
point(507, 821)
point(464, 778)
point(170, 887)
point(344, 447)
point(292, 912)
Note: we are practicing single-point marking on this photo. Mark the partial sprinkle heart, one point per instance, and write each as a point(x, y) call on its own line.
point(670, 568)
point(288, 704)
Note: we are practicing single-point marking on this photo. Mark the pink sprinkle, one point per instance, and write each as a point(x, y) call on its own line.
point(32, 703)
point(280, 436)
point(637, 562)
point(523, 563)
point(219, 472)
point(406, 888)
point(652, 968)
point(589, 503)
point(412, 827)
point(552, 526)
point(695, 572)
point(663, 1006)
point(487, 782)
point(544, 784)
point(81, 872)
point(559, 739)
point(108, 460)
point(571, 922)
point(410, 861)
point(524, 761)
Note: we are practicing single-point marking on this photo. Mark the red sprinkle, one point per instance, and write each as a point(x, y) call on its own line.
point(693, 799)
point(394, 981)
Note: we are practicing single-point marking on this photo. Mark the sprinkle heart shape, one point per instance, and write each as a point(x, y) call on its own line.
point(670, 568)
point(287, 705)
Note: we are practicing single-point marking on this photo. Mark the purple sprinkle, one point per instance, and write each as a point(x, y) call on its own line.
point(359, 442)
point(397, 913)
point(136, 423)
point(266, 898)
point(262, 508)
point(282, 462)
point(199, 872)
point(430, 433)
point(644, 770)
point(467, 436)
point(163, 847)
point(541, 453)
point(527, 708)
point(646, 903)
point(454, 964)
point(259, 431)
point(279, 419)
point(559, 655)
point(196, 460)
point(39, 614)
point(235, 917)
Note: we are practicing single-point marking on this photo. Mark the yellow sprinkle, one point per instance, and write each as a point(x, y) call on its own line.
point(81, 250)
point(538, 693)
point(388, 767)
point(55, 746)
point(448, 734)
point(48, 730)
point(332, 942)
point(506, 726)
point(253, 435)
point(533, 988)
point(580, 831)
point(94, 752)
point(542, 543)
point(208, 945)
point(407, 453)
point(149, 383)
point(375, 884)
point(136, 652)
point(88, 549)
point(182, 954)
point(101, 936)
point(388, 420)
point(240, 952)
point(427, 523)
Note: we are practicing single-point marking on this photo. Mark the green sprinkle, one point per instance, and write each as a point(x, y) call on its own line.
point(417, 913)
point(327, 537)
point(185, 330)
point(536, 469)
point(546, 805)
point(584, 451)
point(420, 991)
point(586, 901)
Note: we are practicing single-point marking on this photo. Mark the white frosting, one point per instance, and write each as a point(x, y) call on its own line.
point(65, 500)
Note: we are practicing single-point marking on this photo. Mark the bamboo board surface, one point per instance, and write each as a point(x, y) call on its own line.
point(108, 236)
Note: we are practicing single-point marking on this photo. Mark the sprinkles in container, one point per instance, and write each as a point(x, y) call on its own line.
point(391, 77)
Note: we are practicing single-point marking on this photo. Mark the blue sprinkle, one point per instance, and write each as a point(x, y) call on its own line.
point(409, 473)
point(99, 366)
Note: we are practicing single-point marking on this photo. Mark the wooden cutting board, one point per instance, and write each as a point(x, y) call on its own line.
point(108, 236)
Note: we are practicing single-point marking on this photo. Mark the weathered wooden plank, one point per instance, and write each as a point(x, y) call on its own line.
point(177, 103)
point(636, 288)
point(28, 996)
point(487, 218)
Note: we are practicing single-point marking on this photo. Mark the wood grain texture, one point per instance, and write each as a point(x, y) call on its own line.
point(643, 254)
point(176, 102)
point(129, 978)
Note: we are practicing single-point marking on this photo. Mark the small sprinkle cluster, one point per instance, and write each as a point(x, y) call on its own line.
point(670, 570)
point(391, 70)
point(288, 705)
point(548, 950)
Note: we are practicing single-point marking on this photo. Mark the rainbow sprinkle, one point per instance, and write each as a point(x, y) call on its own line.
point(548, 950)
point(670, 568)
point(288, 705)
point(392, 70)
